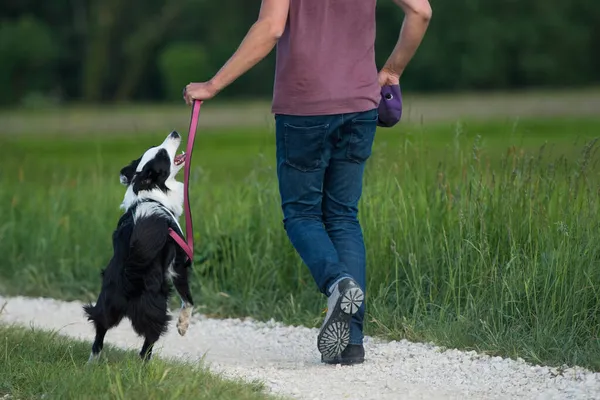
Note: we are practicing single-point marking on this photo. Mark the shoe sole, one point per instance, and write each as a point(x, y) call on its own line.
point(335, 333)
point(342, 361)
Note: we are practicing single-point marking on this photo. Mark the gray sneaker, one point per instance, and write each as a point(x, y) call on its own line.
point(344, 301)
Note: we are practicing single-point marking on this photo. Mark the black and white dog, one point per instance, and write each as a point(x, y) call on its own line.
point(136, 282)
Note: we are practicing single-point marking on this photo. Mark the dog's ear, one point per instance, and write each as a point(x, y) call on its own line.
point(154, 174)
point(128, 172)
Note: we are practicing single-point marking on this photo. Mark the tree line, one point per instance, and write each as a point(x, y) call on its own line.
point(115, 50)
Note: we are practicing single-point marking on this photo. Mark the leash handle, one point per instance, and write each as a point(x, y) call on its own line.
point(189, 229)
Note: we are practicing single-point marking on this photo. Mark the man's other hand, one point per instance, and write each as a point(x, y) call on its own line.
point(387, 77)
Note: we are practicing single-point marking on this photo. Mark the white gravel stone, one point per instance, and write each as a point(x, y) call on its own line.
point(286, 359)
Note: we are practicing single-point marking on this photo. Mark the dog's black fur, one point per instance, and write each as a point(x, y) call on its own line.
point(136, 282)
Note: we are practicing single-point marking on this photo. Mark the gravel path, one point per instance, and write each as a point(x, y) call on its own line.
point(286, 359)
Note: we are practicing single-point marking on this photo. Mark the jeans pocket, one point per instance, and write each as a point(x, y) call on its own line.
point(362, 135)
point(304, 146)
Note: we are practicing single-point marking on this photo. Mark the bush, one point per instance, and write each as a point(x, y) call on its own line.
point(29, 53)
point(180, 64)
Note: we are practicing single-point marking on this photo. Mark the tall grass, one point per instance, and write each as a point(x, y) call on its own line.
point(470, 246)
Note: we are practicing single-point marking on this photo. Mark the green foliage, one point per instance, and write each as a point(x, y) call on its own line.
point(29, 51)
point(119, 50)
point(499, 44)
point(480, 236)
point(181, 63)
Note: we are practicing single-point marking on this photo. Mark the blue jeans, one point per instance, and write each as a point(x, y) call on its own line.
point(320, 166)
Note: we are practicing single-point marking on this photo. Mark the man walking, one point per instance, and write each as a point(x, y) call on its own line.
point(326, 97)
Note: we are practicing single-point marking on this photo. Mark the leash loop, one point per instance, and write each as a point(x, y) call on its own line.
point(188, 245)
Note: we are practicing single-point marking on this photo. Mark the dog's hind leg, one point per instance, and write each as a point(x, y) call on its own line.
point(150, 319)
point(104, 316)
point(146, 352)
point(98, 343)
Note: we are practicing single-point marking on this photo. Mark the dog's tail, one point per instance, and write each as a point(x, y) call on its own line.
point(91, 312)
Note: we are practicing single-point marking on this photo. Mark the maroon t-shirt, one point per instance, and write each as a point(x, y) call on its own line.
point(325, 61)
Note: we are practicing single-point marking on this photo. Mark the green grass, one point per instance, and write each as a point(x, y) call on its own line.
point(481, 235)
point(40, 364)
point(141, 118)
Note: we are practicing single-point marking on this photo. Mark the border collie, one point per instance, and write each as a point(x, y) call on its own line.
point(136, 282)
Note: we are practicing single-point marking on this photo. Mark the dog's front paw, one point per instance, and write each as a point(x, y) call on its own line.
point(183, 323)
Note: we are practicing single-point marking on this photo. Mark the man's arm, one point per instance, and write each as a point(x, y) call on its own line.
point(258, 43)
point(417, 15)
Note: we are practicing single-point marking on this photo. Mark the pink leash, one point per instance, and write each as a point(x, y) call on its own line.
point(189, 231)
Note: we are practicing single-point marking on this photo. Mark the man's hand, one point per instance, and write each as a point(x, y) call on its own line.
point(199, 91)
point(388, 77)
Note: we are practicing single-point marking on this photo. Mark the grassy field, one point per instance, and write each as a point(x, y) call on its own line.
point(140, 119)
point(480, 235)
point(38, 364)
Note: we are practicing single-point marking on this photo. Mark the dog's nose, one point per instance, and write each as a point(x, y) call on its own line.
point(174, 135)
